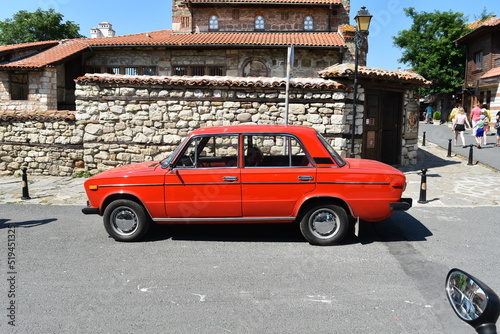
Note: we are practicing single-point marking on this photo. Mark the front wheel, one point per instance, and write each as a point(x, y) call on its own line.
point(324, 225)
point(126, 220)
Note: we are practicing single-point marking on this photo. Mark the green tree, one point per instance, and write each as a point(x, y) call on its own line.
point(429, 48)
point(26, 27)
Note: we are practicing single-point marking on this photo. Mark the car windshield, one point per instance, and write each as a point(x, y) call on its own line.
point(338, 159)
point(167, 161)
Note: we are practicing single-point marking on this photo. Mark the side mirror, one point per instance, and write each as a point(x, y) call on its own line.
point(473, 301)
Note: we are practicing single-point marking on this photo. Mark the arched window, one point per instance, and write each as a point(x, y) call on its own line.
point(255, 68)
point(259, 22)
point(213, 23)
point(308, 23)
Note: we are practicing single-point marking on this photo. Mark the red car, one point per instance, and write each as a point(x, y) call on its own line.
point(248, 174)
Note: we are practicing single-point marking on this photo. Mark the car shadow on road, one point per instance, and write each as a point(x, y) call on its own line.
point(427, 160)
point(400, 227)
point(7, 223)
point(227, 232)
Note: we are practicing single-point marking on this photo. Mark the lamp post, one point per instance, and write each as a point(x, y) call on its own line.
point(363, 18)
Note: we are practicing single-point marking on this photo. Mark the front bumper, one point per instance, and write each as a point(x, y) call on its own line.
point(88, 210)
point(403, 205)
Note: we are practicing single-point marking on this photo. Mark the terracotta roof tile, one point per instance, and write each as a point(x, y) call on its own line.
point(494, 72)
point(55, 115)
point(270, 82)
point(272, 2)
point(165, 37)
point(347, 70)
point(493, 21)
point(67, 48)
point(261, 39)
point(5, 48)
point(61, 51)
point(478, 27)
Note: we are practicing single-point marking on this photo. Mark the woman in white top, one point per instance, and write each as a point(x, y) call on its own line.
point(459, 122)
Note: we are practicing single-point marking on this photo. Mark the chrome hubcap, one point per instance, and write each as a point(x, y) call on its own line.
point(324, 223)
point(124, 221)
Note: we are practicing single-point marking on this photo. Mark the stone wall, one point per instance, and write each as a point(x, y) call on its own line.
point(48, 143)
point(122, 120)
point(234, 62)
point(42, 91)
point(409, 145)
point(127, 120)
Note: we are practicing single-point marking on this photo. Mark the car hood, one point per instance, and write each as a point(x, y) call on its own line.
point(371, 164)
point(145, 167)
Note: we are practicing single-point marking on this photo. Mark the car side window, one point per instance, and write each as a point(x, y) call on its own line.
point(274, 151)
point(210, 152)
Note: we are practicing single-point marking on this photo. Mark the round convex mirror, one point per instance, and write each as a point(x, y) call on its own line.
point(465, 295)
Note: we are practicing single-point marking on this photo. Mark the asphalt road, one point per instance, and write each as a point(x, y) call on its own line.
point(70, 277)
point(441, 134)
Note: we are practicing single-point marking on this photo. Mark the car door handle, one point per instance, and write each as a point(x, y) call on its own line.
point(230, 178)
point(306, 178)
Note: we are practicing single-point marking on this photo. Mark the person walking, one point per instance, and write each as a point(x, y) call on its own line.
point(454, 111)
point(480, 130)
point(486, 112)
point(459, 122)
point(428, 114)
point(497, 127)
point(486, 127)
point(475, 113)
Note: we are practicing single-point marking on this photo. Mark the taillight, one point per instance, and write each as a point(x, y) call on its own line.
point(398, 185)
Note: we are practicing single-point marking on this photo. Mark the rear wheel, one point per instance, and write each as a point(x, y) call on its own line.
point(324, 225)
point(126, 220)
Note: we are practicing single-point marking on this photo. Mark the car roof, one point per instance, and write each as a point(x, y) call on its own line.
point(293, 129)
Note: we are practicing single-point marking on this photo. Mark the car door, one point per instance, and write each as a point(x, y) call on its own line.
point(205, 179)
point(277, 172)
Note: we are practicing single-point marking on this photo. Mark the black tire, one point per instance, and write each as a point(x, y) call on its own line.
point(126, 220)
point(324, 225)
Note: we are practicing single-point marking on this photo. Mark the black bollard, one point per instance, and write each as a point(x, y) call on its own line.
point(471, 154)
point(423, 188)
point(449, 148)
point(423, 139)
point(26, 193)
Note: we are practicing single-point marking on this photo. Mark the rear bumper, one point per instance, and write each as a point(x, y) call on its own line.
point(403, 205)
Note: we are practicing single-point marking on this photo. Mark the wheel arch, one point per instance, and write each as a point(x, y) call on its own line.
point(314, 201)
point(113, 197)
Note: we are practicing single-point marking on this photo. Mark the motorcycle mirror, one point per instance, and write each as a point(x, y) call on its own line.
point(473, 301)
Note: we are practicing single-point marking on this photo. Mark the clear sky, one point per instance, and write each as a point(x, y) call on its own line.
point(130, 17)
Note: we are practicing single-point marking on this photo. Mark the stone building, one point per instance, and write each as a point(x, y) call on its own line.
point(482, 73)
point(35, 73)
point(217, 41)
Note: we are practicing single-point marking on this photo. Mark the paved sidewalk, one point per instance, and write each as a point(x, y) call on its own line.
point(450, 182)
point(52, 190)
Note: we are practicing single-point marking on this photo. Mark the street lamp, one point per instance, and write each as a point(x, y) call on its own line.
point(363, 19)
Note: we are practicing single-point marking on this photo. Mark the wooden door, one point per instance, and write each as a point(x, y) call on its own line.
point(382, 126)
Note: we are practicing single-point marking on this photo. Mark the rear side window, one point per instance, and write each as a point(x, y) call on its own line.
point(274, 151)
point(335, 155)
